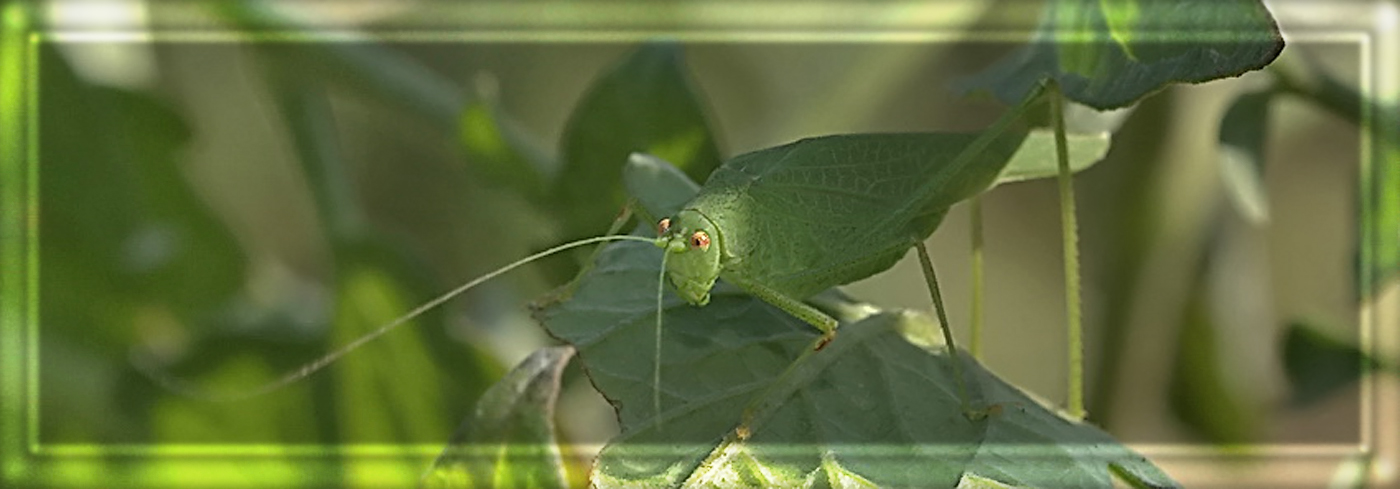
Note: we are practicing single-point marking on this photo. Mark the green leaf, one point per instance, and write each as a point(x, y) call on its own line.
point(245, 346)
point(871, 409)
point(1035, 158)
point(647, 104)
point(117, 212)
point(509, 440)
point(659, 187)
point(128, 249)
point(1200, 391)
point(1111, 53)
point(403, 386)
point(1317, 364)
point(393, 387)
point(1242, 134)
point(499, 153)
point(1122, 18)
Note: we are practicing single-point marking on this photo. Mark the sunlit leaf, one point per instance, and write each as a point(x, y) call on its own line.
point(498, 154)
point(509, 441)
point(1111, 53)
point(1036, 157)
point(405, 385)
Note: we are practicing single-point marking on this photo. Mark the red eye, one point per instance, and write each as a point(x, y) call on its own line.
point(663, 226)
point(700, 241)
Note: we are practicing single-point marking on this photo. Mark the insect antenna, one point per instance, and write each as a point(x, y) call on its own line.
point(144, 363)
point(656, 362)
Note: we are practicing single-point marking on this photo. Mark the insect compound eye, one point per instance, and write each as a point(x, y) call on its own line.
point(663, 226)
point(700, 241)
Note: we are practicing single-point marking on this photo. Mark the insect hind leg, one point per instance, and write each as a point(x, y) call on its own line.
point(932, 278)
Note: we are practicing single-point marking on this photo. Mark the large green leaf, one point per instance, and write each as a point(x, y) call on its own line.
point(872, 407)
point(118, 217)
point(499, 151)
point(1110, 53)
point(509, 440)
point(647, 103)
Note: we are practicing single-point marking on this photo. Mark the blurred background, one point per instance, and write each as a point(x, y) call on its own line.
point(225, 207)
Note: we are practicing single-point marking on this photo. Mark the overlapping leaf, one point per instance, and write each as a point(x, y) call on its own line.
point(1108, 54)
point(870, 407)
point(647, 103)
point(1035, 158)
point(509, 440)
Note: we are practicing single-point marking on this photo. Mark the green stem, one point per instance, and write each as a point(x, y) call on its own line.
point(977, 283)
point(1379, 201)
point(1316, 86)
point(372, 70)
point(1070, 240)
point(307, 114)
point(932, 278)
point(18, 215)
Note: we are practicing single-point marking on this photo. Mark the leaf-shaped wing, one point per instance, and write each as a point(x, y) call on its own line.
point(826, 211)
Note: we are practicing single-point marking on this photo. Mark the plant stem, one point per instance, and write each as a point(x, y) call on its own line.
point(932, 279)
point(977, 283)
point(1069, 228)
point(306, 111)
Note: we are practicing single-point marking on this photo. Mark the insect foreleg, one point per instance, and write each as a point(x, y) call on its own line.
point(823, 322)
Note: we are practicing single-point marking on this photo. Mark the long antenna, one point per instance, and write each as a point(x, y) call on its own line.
point(147, 366)
point(656, 364)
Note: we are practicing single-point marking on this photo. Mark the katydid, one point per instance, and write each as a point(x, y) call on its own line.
point(787, 222)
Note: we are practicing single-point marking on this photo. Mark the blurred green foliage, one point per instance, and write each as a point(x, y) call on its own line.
point(135, 262)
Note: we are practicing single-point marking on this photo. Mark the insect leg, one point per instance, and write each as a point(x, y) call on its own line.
point(824, 323)
point(932, 278)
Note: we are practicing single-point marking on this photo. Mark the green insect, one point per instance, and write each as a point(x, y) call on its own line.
point(787, 222)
